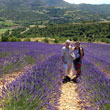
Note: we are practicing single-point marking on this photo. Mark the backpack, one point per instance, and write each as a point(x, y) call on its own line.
point(82, 50)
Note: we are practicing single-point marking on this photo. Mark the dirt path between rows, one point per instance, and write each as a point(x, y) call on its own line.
point(8, 78)
point(69, 99)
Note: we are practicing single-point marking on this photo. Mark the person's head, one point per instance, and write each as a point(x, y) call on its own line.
point(77, 44)
point(67, 43)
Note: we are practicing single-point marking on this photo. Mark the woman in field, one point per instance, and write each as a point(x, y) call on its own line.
point(77, 63)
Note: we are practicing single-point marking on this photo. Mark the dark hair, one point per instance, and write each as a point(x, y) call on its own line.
point(77, 42)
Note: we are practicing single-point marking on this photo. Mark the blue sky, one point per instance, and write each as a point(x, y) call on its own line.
point(89, 1)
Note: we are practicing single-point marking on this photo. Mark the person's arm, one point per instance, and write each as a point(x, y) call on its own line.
point(73, 48)
point(81, 54)
point(63, 55)
point(63, 60)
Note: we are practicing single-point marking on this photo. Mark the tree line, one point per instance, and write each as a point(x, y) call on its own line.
point(89, 32)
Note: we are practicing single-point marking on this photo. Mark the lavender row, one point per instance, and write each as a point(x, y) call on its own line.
point(101, 51)
point(99, 55)
point(94, 88)
point(14, 56)
point(37, 89)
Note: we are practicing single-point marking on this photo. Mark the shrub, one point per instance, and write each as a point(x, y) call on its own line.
point(27, 40)
point(56, 41)
point(18, 40)
point(107, 41)
point(102, 40)
point(46, 40)
point(12, 39)
point(4, 39)
point(37, 41)
point(75, 39)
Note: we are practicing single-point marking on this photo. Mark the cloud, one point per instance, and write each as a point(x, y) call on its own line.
point(89, 1)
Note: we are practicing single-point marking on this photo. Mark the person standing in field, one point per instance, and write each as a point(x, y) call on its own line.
point(67, 60)
point(79, 53)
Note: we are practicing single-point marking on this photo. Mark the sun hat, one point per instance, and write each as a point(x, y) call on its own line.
point(67, 41)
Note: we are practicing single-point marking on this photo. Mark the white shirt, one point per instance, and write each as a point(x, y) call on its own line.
point(66, 52)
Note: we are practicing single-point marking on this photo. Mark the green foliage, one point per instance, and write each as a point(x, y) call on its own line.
point(89, 40)
point(16, 32)
point(37, 41)
point(13, 39)
point(30, 60)
point(22, 101)
point(4, 54)
point(58, 12)
point(102, 40)
point(107, 106)
point(12, 67)
point(107, 41)
point(4, 39)
point(7, 68)
point(18, 39)
point(89, 32)
point(81, 32)
point(27, 40)
point(75, 39)
point(46, 40)
point(56, 40)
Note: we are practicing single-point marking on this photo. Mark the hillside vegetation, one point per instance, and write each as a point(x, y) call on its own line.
point(38, 12)
point(91, 32)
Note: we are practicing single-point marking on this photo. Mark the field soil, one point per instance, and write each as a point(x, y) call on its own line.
point(69, 99)
point(38, 38)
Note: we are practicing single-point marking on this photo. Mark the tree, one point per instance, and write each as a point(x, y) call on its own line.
point(27, 40)
point(46, 40)
point(13, 39)
point(75, 39)
point(4, 39)
point(56, 40)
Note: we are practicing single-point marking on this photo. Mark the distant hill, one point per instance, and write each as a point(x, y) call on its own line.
point(28, 12)
point(30, 3)
point(103, 9)
point(56, 3)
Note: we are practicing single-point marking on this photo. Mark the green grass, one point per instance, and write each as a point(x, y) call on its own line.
point(7, 68)
point(31, 26)
point(107, 106)
point(3, 30)
point(30, 60)
point(9, 23)
point(1, 22)
point(3, 55)
point(24, 102)
point(11, 67)
point(98, 64)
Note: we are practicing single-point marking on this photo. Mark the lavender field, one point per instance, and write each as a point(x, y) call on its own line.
point(39, 87)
